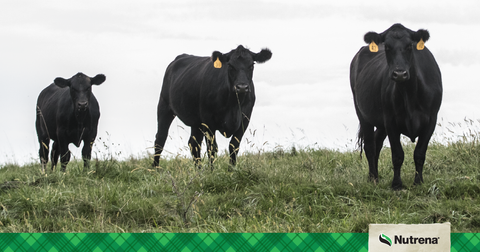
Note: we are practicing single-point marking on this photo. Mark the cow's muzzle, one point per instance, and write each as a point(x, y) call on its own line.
point(242, 88)
point(400, 75)
point(82, 106)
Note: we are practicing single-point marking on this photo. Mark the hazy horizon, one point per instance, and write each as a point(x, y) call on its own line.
point(303, 92)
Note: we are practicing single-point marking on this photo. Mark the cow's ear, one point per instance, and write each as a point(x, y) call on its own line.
point(218, 58)
point(421, 35)
point(61, 82)
point(97, 80)
point(372, 37)
point(263, 56)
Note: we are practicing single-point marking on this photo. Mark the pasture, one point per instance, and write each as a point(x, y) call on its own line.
point(284, 190)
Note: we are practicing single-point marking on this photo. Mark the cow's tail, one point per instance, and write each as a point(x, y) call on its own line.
point(360, 139)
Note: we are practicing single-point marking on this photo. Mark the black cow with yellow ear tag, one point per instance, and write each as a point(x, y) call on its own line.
point(209, 94)
point(397, 89)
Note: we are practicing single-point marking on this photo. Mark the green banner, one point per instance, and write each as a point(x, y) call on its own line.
point(461, 242)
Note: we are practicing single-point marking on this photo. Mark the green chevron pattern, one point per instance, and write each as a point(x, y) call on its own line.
point(230, 242)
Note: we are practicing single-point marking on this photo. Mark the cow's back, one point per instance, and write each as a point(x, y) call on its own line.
point(428, 72)
point(50, 95)
point(182, 86)
point(367, 73)
point(48, 107)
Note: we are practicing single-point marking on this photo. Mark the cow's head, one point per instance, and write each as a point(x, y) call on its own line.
point(239, 64)
point(400, 43)
point(80, 89)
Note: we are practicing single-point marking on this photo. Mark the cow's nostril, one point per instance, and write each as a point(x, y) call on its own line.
point(400, 75)
point(82, 105)
point(241, 88)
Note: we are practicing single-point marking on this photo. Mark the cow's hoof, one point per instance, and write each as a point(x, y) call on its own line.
point(397, 186)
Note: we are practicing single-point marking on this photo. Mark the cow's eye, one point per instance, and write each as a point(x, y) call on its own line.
point(387, 48)
point(231, 68)
point(251, 67)
point(409, 47)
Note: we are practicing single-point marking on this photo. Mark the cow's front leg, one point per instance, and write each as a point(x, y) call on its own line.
point(397, 159)
point(421, 151)
point(64, 154)
point(87, 153)
point(212, 147)
point(54, 154)
point(234, 146)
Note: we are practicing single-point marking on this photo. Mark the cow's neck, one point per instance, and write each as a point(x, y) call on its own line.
point(81, 123)
point(234, 103)
point(411, 105)
point(236, 99)
point(229, 113)
point(413, 91)
point(81, 117)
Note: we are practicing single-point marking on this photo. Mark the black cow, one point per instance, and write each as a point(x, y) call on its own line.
point(397, 89)
point(209, 94)
point(67, 112)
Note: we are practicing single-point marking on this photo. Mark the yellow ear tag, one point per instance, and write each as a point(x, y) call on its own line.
point(373, 47)
point(217, 64)
point(420, 45)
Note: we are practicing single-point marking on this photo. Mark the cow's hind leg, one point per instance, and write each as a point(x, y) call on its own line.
point(366, 134)
point(195, 144)
point(379, 136)
point(43, 152)
point(54, 154)
point(165, 117)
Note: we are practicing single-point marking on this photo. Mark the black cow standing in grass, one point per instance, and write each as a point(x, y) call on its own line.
point(397, 89)
point(209, 94)
point(67, 112)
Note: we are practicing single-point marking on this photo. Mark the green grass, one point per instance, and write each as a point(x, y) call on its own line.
point(286, 190)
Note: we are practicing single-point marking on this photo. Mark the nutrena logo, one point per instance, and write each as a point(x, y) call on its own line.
point(385, 239)
point(415, 240)
point(407, 240)
point(409, 237)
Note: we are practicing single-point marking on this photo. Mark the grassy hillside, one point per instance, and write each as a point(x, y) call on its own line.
point(309, 190)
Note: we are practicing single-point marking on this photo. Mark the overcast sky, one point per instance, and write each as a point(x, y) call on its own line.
point(303, 92)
